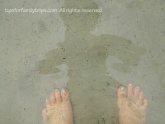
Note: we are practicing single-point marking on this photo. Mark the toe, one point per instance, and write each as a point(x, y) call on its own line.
point(137, 92)
point(130, 89)
point(141, 98)
point(52, 98)
point(65, 95)
point(121, 93)
point(57, 96)
point(47, 103)
point(145, 103)
point(44, 113)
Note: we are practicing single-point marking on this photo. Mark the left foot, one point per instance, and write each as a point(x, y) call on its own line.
point(58, 108)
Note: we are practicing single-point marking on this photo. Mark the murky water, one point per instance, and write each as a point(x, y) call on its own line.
point(88, 53)
point(85, 54)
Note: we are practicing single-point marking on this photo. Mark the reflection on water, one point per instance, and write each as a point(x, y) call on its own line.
point(92, 90)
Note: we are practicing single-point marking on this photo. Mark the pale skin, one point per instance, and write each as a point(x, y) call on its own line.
point(131, 102)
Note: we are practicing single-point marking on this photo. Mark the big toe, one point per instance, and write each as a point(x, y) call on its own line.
point(121, 93)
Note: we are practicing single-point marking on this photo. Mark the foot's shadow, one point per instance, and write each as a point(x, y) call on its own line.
point(92, 90)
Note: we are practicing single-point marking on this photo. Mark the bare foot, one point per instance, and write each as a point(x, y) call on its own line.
point(58, 108)
point(132, 105)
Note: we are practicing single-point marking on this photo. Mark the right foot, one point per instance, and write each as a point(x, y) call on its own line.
point(132, 105)
point(58, 108)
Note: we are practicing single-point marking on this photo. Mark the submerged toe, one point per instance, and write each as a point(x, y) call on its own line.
point(58, 96)
point(65, 95)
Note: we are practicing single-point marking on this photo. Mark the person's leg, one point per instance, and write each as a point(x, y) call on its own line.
point(58, 108)
point(132, 105)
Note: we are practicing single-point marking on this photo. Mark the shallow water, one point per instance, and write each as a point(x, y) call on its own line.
point(88, 53)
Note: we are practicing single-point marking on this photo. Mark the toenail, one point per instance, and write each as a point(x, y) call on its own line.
point(63, 91)
point(122, 88)
point(47, 102)
point(56, 91)
point(137, 88)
